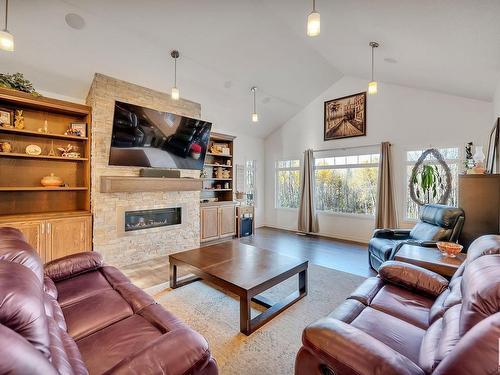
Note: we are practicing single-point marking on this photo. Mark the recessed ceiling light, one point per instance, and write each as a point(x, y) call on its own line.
point(228, 84)
point(75, 21)
point(390, 60)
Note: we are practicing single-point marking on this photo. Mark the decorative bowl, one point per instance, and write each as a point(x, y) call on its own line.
point(450, 249)
point(51, 181)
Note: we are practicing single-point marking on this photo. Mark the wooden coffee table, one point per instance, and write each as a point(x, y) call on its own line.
point(243, 270)
point(430, 258)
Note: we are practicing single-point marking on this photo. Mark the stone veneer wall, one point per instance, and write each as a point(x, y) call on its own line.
point(121, 250)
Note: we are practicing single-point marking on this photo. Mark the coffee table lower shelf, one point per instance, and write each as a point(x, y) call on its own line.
point(248, 324)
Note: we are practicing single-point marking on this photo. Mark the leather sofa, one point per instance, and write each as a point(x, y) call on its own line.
point(437, 223)
point(82, 317)
point(409, 320)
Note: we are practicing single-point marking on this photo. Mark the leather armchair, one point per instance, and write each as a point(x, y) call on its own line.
point(409, 320)
point(436, 223)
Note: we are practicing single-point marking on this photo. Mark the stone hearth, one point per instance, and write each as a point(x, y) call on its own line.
point(109, 239)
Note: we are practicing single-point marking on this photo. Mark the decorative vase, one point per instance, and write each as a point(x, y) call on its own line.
point(51, 181)
point(479, 161)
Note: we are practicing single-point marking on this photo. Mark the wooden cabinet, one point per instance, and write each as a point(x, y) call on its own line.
point(227, 221)
point(68, 236)
point(217, 222)
point(54, 238)
point(209, 223)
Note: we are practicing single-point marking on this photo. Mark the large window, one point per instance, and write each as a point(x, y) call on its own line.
point(251, 180)
point(347, 184)
point(287, 183)
point(452, 157)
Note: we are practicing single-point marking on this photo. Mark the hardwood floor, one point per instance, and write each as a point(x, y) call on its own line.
point(340, 255)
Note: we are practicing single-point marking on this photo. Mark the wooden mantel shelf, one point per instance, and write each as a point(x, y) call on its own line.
point(132, 184)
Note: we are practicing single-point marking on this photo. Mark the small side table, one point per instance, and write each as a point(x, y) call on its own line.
point(430, 258)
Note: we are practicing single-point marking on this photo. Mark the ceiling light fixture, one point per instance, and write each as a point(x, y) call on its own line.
point(6, 38)
point(255, 116)
point(313, 22)
point(175, 91)
point(372, 85)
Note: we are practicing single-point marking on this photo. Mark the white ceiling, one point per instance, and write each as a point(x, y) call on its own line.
point(227, 46)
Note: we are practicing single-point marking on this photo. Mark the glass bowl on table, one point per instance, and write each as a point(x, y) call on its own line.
point(450, 249)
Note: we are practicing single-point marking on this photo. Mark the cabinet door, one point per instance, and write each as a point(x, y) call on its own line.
point(227, 221)
point(68, 236)
point(34, 232)
point(209, 223)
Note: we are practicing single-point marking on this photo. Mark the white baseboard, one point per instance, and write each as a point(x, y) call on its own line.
point(333, 237)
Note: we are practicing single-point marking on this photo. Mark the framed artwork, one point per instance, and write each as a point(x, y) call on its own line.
point(6, 117)
point(345, 117)
point(79, 128)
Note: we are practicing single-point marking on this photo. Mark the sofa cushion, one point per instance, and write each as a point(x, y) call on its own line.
point(95, 312)
point(428, 232)
point(117, 341)
point(403, 337)
point(403, 304)
point(22, 306)
point(72, 265)
point(81, 287)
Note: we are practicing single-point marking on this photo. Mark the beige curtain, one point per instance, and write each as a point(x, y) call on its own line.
point(308, 222)
point(386, 215)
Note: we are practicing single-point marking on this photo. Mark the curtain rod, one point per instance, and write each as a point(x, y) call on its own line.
point(347, 148)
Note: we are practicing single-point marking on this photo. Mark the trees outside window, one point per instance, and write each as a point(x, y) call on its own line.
point(347, 184)
point(287, 183)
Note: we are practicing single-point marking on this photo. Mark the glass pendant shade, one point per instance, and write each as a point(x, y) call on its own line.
point(372, 87)
point(255, 117)
point(6, 41)
point(175, 93)
point(313, 24)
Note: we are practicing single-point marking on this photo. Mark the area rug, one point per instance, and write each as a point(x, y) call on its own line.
point(272, 348)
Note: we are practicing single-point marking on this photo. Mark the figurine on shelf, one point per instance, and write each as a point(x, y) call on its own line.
point(219, 172)
point(69, 152)
point(228, 162)
point(51, 151)
point(226, 174)
point(6, 147)
point(73, 131)
point(45, 128)
point(19, 119)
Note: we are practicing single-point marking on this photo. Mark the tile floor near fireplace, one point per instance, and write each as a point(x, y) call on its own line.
point(155, 218)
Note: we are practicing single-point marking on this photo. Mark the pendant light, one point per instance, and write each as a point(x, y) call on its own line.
point(255, 116)
point(372, 85)
point(175, 95)
point(6, 38)
point(313, 22)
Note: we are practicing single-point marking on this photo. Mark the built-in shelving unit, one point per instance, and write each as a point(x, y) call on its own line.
point(45, 122)
point(217, 188)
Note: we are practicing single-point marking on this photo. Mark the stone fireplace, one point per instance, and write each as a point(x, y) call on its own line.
point(153, 239)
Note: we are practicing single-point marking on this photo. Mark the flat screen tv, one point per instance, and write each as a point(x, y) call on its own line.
point(144, 137)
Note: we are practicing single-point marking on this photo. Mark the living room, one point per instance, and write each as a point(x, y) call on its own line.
point(247, 187)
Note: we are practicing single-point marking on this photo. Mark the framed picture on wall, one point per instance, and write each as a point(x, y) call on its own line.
point(345, 117)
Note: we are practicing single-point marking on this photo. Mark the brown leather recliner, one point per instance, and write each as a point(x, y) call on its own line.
point(409, 320)
point(84, 317)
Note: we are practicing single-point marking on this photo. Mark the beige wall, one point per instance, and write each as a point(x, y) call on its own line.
point(142, 245)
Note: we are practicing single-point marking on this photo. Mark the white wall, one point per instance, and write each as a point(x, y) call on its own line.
point(496, 102)
point(404, 116)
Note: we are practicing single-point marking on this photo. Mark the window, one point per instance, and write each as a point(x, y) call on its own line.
point(451, 156)
point(347, 184)
point(250, 180)
point(287, 183)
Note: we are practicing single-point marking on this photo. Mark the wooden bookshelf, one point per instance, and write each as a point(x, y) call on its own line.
point(214, 186)
point(55, 220)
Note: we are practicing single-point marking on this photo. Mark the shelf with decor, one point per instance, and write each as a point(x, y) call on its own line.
point(218, 169)
point(44, 139)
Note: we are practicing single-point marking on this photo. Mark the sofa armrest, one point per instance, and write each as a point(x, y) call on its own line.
point(342, 346)
point(396, 234)
point(178, 352)
point(413, 277)
point(72, 265)
point(421, 243)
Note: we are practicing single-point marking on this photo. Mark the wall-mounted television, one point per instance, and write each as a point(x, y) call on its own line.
point(144, 137)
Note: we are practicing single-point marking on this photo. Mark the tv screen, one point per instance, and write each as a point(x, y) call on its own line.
point(144, 137)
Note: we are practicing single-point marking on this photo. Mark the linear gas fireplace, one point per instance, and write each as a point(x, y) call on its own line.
point(154, 218)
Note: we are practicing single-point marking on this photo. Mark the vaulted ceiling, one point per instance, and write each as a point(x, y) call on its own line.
point(227, 46)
